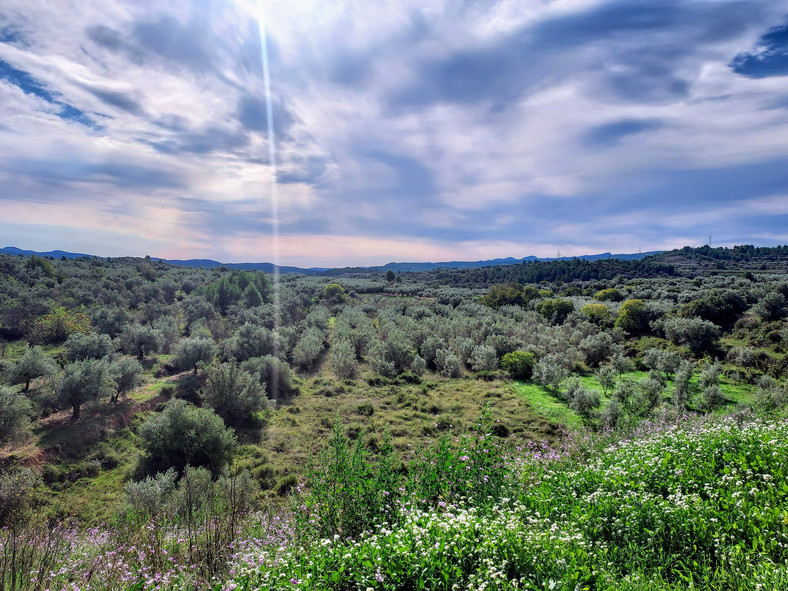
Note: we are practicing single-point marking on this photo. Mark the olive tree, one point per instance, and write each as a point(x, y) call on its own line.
point(343, 359)
point(84, 381)
point(126, 373)
point(182, 435)
point(697, 334)
point(89, 345)
point(192, 351)
point(483, 358)
point(308, 348)
point(34, 363)
point(274, 374)
point(232, 392)
point(139, 340)
point(550, 371)
point(15, 411)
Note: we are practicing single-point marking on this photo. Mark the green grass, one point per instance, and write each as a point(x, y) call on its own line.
point(546, 404)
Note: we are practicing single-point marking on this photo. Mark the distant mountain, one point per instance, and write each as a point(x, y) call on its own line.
point(405, 267)
point(396, 267)
point(265, 267)
point(58, 254)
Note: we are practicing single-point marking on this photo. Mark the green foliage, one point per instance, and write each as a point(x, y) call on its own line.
point(58, 325)
point(509, 294)
point(139, 340)
point(274, 375)
point(348, 493)
point(127, 375)
point(597, 348)
point(308, 348)
point(697, 334)
point(150, 496)
point(249, 289)
point(233, 393)
point(581, 399)
point(599, 314)
point(41, 263)
point(252, 340)
point(483, 358)
point(17, 488)
point(448, 363)
point(633, 318)
point(15, 411)
point(190, 352)
point(519, 364)
point(721, 308)
point(84, 381)
point(343, 359)
point(33, 364)
point(773, 306)
point(555, 310)
point(550, 371)
point(80, 346)
point(182, 435)
point(609, 295)
point(334, 293)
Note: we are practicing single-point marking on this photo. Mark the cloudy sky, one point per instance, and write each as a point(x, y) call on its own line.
point(403, 130)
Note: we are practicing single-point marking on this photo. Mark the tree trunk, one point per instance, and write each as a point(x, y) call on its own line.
point(75, 408)
point(27, 385)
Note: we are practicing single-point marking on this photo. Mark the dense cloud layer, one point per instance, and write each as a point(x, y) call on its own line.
point(403, 130)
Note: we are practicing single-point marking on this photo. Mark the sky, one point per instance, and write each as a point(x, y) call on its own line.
point(427, 130)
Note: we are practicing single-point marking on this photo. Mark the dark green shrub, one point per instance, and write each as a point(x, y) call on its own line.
point(287, 485)
point(519, 364)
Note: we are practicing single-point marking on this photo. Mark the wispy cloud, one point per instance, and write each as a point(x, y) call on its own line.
point(404, 130)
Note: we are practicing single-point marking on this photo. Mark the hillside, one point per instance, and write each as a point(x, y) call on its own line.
point(118, 374)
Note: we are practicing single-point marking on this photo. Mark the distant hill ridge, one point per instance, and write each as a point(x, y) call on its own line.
point(403, 267)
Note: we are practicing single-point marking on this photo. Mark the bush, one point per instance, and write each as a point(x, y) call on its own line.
point(16, 494)
point(697, 334)
point(190, 352)
point(15, 411)
point(57, 326)
point(80, 346)
point(184, 434)
point(308, 348)
point(599, 314)
point(633, 317)
point(343, 359)
point(519, 364)
point(33, 364)
point(448, 363)
point(483, 358)
point(150, 496)
point(609, 295)
point(555, 310)
point(232, 392)
point(84, 381)
point(274, 375)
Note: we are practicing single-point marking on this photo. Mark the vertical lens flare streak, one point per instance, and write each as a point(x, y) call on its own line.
point(269, 112)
